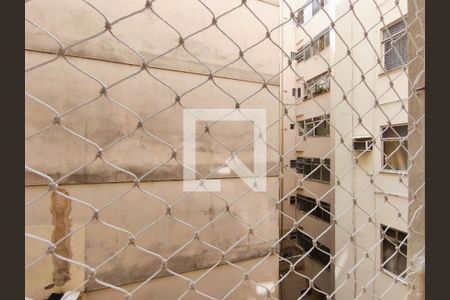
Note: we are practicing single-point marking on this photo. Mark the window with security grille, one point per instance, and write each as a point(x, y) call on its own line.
point(394, 251)
point(317, 85)
point(395, 45)
point(318, 126)
point(311, 168)
point(304, 241)
point(299, 55)
point(319, 43)
point(309, 205)
point(395, 147)
point(320, 252)
point(292, 163)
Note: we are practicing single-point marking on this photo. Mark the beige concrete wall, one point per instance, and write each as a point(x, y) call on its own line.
point(104, 121)
point(71, 21)
point(136, 210)
point(229, 278)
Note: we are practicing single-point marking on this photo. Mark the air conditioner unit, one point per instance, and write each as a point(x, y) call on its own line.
point(363, 144)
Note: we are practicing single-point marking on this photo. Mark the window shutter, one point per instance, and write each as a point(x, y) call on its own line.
point(300, 17)
point(293, 55)
point(395, 45)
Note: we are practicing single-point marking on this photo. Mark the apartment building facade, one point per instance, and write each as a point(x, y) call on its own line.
point(309, 140)
point(365, 149)
point(135, 180)
point(376, 173)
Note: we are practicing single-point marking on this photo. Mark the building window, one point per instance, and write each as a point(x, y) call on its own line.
point(293, 163)
point(395, 45)
point(309, 205)
point(299, 165)
point(293, 235)
point(317, 4)
point(304, 241)
point(318, 126)
point(317, 85)
point(394, 260)
point(319, 43)
point(292, 200)
point(303, 53)
point(297, 92)
point(320, 253)
point(313, 169)
point(300, 17)
point(395, 147)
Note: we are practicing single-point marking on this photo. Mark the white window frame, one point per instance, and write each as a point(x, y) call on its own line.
point(397, 242)
point(315, 123)
point(310, 161)
point(383, 162)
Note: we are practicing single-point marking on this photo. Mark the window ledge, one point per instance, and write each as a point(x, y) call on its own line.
point(385, 73)
point(317, 180)
point(315, 136)
point(398, 172)
point(393, 276)
point(312, 216)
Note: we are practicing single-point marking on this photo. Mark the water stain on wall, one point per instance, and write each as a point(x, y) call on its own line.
point(60, 209)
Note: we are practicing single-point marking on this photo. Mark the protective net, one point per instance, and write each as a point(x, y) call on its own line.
point(205, 149)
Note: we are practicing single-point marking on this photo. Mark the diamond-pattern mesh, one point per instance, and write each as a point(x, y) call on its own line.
point(109, 87)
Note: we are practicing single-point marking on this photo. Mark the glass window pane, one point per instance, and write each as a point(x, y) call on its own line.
point(401, 261)
point(395, 157)
point(391, 233)
point(327, 39)
point(301, 128)
point(316, 173)
point(321, 43)
point(325, 174)
point(395, 131)
point(388, 258)
point(308, 51)
point(309, 129)
point(323, 129)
